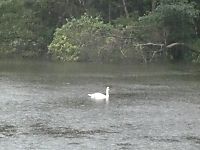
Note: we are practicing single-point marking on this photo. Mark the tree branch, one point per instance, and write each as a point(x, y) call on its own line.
point(175, 44)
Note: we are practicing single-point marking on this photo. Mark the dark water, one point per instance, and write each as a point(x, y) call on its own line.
point(45, 105)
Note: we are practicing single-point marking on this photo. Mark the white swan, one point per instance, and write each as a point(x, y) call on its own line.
point(100, 96)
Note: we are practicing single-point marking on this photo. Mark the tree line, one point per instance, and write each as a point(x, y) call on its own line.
point(101, 30)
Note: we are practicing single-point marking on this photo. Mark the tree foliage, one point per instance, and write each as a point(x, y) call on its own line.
point(27, 28)
point(21, 31)
point(84, 39)
point(175, 18)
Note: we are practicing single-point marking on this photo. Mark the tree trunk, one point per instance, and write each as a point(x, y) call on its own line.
point(109, 12)
point(125, 8)
point(153, 5)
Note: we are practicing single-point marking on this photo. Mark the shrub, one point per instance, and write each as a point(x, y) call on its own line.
point(85, 39)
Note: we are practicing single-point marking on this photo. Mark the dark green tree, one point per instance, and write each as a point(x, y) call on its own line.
point(22, 33)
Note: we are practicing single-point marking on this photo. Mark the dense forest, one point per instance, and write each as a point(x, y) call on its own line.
point(101, 30)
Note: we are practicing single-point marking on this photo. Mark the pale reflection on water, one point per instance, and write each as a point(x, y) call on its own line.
point(44, 105)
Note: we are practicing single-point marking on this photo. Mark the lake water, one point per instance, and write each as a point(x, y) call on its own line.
point(44, 106)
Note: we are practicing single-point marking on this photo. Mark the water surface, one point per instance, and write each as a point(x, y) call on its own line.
point(44, 105)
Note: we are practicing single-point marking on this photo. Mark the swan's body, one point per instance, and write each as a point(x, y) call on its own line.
point(100, 96)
